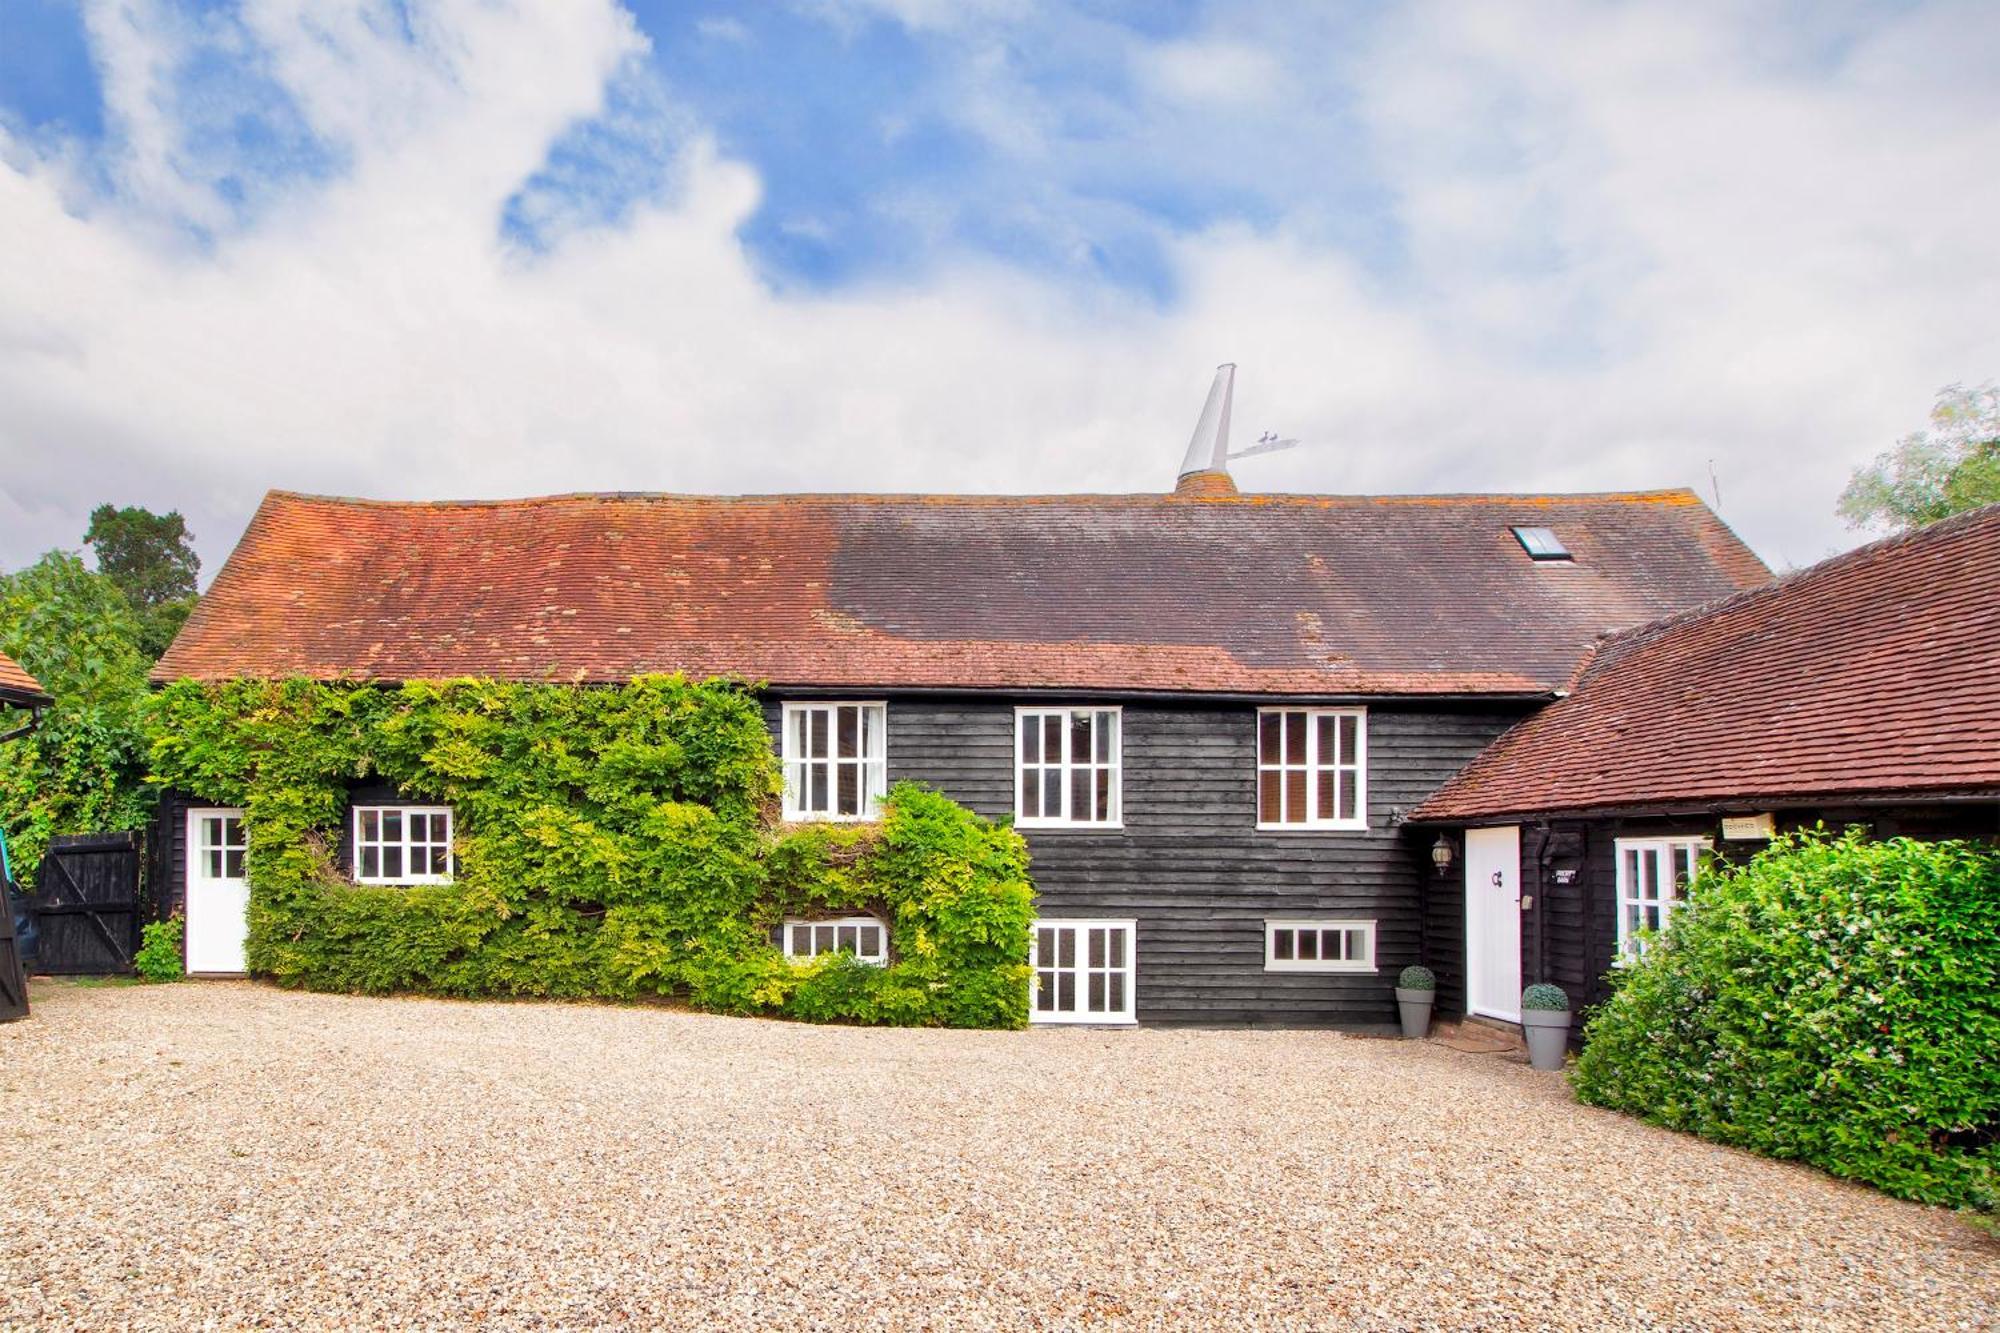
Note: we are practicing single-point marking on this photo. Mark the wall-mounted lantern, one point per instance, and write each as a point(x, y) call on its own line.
point(1442, 854)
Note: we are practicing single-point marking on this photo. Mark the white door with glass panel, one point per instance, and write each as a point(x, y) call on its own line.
point(218, 893)
point(1083, 972)
point(1493, 922)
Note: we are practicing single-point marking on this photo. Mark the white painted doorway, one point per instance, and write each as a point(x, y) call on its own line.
point(1084, 972)
point(1493, 922)
point(218, 895)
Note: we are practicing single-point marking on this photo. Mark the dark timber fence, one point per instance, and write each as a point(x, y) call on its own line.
point(86, 904)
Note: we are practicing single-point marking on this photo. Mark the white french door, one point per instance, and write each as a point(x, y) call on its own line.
point(1493, 922)
point(1084, 972)
point(218, 893)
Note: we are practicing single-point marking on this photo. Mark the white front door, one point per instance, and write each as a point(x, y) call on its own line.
point(1084, 972)
point(218, 895)
point(1493, 922)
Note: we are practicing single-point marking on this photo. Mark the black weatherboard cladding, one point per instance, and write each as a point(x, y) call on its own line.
point(1570, 934)
point(1189, 865)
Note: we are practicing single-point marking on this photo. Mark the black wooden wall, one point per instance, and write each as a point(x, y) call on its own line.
point(1570, 934)
point(1190, 866)
point(168, 893)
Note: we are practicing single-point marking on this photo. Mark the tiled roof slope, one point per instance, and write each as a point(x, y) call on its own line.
point(1875, 673)
point(1264, 594)
point(17, 686)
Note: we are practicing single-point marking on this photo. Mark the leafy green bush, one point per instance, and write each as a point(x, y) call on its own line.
point(1417, 978)
point(1543, 997)
point(83, 769)
point(1835, 1001)
point(159, 956)
point(609, 842)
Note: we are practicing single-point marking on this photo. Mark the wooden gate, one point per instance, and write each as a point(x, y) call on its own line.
point(86, 905)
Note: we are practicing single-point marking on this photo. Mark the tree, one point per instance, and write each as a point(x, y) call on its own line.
point(83, 769)
point(1931, 474)
point(151, 559)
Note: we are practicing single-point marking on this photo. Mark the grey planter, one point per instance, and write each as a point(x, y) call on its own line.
point(1547, 1031)
point(1416, 1009)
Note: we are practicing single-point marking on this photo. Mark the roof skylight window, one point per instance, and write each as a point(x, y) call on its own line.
point(1542, 544)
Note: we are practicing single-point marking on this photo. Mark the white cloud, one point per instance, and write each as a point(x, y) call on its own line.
point(724, 30)
point(1631, 243)
point(1215, 72)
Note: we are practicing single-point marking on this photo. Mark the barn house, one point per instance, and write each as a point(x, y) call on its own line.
point(1211, 714)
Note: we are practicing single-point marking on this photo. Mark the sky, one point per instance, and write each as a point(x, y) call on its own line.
point(481, 248)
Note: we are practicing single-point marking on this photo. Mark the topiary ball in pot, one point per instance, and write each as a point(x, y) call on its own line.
point(1544, 996)
point(1416, 990)
point(1545, 1023)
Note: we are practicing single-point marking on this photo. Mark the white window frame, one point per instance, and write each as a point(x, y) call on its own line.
point(1314, 925)
point(199, 818)
point(1316, 772)
point(405, 811)
point(1671, 896)
point(879, 958)
point(1069, 764)
point(873, 768)
point(1080, 970)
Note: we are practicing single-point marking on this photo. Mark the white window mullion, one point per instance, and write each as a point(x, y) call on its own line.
point(1076, 801)
point(1316, 773)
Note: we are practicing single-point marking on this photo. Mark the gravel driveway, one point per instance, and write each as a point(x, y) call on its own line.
point(233, 1154)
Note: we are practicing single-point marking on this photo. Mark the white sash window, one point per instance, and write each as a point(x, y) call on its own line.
point(402, 844)
point(1312, 768)
point(863, 936)
point(1319, 946)
point(835, 760)
point(1653, 878)
point(1066, 768)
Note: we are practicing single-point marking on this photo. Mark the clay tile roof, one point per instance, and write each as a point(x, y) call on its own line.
point(1874, 674)
point(1266, 594)
point(17, 686)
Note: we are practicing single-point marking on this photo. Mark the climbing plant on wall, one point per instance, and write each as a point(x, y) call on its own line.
point(612, 842)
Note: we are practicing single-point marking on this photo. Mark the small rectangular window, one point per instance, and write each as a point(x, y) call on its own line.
point(1542, 544)
point(1066, 768)
point(1312, 768)
point(835, 758)
point(1653, 876)
point(863, 936)
point(1319, 946)
point(402, 844)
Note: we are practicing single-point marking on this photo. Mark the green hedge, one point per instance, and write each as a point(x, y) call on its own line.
point(610, 842)
point(1835, 1001)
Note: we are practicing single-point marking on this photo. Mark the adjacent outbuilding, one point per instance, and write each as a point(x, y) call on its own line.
point(1863, 690)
